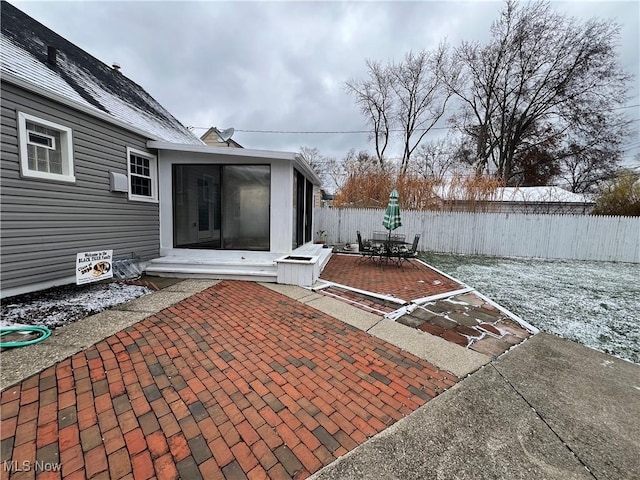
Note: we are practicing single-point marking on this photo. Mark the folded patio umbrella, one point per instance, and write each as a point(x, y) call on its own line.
point(392, 218)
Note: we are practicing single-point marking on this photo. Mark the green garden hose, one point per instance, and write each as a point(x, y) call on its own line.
point(43, 331)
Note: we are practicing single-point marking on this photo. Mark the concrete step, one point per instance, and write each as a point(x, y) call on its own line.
point(181, 267)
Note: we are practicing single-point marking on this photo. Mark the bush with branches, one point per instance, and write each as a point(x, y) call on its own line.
point(621, 196)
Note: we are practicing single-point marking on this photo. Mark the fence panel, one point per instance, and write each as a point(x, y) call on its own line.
point(570, 237)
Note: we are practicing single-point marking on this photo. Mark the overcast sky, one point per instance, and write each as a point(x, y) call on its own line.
point(282, 65)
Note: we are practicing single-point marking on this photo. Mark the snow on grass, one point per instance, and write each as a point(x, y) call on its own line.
point(593, 303)
point(60, 306)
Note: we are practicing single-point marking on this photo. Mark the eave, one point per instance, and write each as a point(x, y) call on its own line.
point(299, 162)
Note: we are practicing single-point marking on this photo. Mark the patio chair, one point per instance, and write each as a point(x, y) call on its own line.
point(380, 236)
point(405, 255)
point(365, 249)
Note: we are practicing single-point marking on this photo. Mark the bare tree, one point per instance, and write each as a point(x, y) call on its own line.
point(359, 163)
point(333, 172)
point(586, 169)
point(438, 158)
point(330, 170)
point(315, 160)
point(543, 78)
point(408, 97)
point(421, 97)
point(374, 97)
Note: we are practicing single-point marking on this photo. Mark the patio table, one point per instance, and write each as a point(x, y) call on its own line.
point(387, 250)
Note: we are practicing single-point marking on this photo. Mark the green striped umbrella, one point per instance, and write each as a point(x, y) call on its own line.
point(392, 218)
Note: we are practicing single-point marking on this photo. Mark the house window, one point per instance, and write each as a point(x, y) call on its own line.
point(303, 209)
point(46, 149)
point(143, 176)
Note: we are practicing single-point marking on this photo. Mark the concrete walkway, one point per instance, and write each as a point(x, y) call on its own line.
point(549, 408)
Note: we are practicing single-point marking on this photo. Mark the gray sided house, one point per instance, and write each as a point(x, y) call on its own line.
point(90, 161)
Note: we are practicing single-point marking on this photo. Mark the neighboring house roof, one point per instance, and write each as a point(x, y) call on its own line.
point(541, 194)
point(545, 194)
point(213, 138)
point(326, 195)
point(79, 79)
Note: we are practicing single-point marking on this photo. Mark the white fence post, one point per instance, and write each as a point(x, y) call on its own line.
point(569, 237)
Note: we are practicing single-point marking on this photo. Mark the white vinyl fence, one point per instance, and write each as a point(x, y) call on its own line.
point(570, 237)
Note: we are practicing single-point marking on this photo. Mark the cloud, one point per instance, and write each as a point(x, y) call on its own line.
point(281, 65)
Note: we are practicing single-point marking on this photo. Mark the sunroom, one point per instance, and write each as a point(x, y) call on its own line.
point(235, 213)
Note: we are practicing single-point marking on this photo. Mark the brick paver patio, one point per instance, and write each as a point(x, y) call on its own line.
point(235, 382)
point(406, 282)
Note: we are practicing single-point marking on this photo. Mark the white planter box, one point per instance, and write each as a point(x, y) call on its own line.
point(298, 270)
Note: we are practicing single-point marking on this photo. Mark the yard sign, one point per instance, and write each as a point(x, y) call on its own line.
point(93, 266)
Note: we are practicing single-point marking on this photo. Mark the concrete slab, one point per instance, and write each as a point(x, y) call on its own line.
point(493, 347)
point(343, 311)
point(410, 321)
point(445, 355)
point(92, 329)
point(291, 291)
point(479, 429)
point(155, 302)
point(21, 363)
point(311, 296)
point(160, 282)
point(192, 285)
point(591, 400)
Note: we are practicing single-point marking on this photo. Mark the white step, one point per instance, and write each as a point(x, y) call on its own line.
point(184, 267)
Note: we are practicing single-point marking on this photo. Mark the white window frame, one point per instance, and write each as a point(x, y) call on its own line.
point(153, 175)
point(66, 149)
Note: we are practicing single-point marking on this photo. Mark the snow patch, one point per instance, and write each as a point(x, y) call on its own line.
point(593, 303)
point(60, 306)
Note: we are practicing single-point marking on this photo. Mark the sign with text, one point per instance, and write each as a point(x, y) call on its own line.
point(93, 266)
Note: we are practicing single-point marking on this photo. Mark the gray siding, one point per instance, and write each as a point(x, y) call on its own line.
point(45, 223)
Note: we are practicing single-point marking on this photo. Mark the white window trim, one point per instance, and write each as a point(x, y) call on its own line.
point(66, 149)
point(153, 171)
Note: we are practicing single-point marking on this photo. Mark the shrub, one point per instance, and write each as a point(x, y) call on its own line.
point(621, 196)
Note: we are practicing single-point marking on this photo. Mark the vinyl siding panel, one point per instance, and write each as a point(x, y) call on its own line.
point(45, 223)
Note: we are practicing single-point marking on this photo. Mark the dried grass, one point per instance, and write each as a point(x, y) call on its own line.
point(371, 189)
